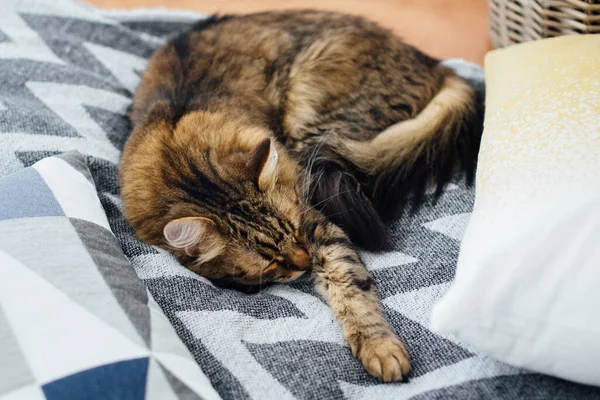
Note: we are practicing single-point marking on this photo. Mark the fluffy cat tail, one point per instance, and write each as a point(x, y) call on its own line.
point(406, 159)
point(359, 185)
point(398, 166)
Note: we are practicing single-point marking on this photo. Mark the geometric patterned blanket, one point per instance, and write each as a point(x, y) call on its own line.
point(67, 73)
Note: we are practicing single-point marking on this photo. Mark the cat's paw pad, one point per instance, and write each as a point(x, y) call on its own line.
point(385, 358)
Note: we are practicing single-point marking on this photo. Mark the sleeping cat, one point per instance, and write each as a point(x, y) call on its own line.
point(265, 146)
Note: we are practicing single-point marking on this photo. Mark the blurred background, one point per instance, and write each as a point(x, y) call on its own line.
point(442, 28)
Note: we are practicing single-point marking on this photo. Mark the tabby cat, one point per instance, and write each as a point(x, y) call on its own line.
point(266, 145)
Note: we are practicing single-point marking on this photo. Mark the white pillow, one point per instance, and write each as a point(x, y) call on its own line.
point(527, 285)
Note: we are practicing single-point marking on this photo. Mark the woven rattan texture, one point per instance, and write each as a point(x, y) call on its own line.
point(517, 21)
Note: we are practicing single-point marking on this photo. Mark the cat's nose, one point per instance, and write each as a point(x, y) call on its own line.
point(298, 259)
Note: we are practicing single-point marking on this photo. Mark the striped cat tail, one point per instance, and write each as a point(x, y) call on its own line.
point(409, 157)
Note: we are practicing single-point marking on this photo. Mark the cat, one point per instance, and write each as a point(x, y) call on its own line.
point(268, 146)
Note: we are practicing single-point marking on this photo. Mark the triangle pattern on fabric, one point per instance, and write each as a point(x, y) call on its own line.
point(182, 390)
point(58, 34)
point(118, 275)
point(60, 8)
point(157, 385)
point(188, 372)
point(28, 158)
point(452, 226)
point(68, 101)
point(469, 369)
point(174, 357)
point(4, 38)
point(14, 369)
point(123, 66)
point(334, 363)
point(124, 380)
point(417, 304)
point(28, 392)
point(24, 42)
point(377, 261)
point(162, 332)
point(68, 338)
point(113, 124)
point(72, 270)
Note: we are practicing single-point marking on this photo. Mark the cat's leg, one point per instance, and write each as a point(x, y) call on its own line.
point(343, 281)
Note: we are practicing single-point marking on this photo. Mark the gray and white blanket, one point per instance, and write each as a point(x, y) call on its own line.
point(67, 73)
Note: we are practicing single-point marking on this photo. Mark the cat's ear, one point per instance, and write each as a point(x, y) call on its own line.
point(264, 165)
point(197, 237)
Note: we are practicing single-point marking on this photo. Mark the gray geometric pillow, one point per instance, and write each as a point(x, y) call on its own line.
point(75, 320)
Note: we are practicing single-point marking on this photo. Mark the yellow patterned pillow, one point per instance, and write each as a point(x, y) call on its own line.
point(527, 286)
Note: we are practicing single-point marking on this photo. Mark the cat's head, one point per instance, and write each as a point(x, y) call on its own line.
point(239, 218)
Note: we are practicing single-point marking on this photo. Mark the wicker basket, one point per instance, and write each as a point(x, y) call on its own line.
point(516, 21)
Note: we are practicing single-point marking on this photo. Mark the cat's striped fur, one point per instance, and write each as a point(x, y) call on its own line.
point(265, 145)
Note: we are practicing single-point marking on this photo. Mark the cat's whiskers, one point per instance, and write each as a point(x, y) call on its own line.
point(324, 201)
point(342, 212)
point(311, 162)
point(315, 185)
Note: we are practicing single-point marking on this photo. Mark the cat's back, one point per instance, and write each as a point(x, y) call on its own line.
point(248, 59)
point(273, 35)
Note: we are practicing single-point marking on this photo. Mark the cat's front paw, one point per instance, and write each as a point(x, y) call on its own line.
point(385, 358)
